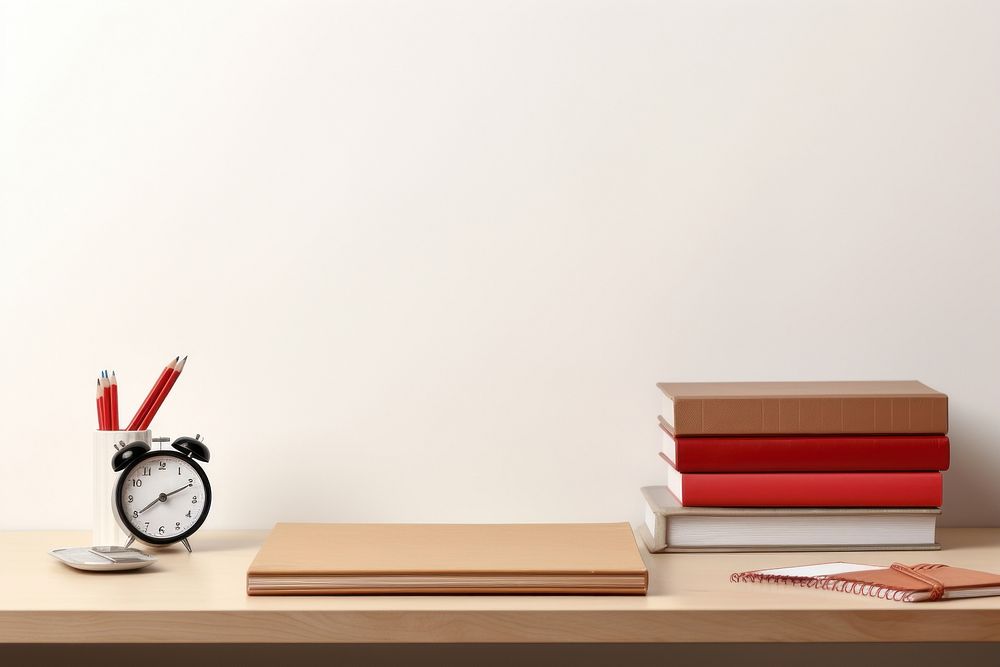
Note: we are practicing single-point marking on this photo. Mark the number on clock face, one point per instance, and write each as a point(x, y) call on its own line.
point(161, 497)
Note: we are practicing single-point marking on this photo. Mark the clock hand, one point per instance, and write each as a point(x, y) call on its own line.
point(162, 498)
point(149, 505)
point(186, 486)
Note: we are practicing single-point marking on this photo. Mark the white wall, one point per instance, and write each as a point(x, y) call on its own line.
point(430, 257)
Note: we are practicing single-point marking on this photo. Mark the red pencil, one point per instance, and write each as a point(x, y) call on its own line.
point(151, 396)
point(100, 406)
point(163, 394)
point(106, 402)
point(114, 402)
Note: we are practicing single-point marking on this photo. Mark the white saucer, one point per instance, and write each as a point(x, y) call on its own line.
point(103, 559)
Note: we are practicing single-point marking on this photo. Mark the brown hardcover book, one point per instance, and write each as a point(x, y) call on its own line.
point(670, 528)
point(351, 559)
point(774, 408)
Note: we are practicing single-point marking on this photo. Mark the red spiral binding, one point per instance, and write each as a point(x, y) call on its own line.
point(855, 587)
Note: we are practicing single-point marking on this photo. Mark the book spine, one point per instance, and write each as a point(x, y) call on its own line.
point(832, 489)
point(895, 453)
point(811, 415)
point(656, 525)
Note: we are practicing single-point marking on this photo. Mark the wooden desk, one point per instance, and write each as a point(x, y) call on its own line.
point(201, 598)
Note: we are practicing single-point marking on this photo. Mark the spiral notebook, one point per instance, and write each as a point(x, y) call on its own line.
point(902, 583)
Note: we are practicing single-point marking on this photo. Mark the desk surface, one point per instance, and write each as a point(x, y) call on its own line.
point(201, 598)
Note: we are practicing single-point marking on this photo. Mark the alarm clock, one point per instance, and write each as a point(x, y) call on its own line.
point(161, 497)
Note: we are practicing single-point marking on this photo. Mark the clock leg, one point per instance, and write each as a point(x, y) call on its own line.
point(131, 539)
point(186, 544)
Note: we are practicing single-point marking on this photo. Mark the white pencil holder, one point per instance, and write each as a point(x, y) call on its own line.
point(106, 443)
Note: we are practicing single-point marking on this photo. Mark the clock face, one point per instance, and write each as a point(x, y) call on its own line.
point(163, 497)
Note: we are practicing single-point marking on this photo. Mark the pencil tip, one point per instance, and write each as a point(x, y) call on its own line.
point(185, 358)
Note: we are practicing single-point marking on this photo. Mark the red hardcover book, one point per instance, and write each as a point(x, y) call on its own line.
point(805, 489)
point(820, 453)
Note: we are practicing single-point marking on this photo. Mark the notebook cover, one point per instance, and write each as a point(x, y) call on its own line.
point(810, 489)
point(805, 453)
point(501, 550)
point(774, 408)
point(664, 506)
point(898, 582)
point(949, 577)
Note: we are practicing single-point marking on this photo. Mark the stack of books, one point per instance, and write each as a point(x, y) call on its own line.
point(798, 466)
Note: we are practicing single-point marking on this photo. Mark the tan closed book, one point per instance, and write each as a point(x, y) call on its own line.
point(775, 408)
point(354, 558)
